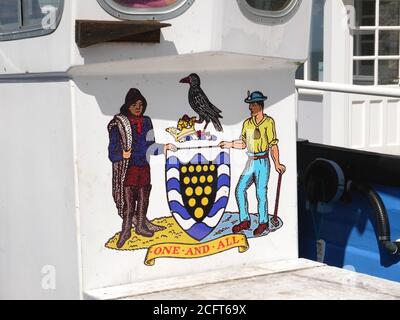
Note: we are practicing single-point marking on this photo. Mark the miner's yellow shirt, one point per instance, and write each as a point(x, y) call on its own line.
point(268, 134)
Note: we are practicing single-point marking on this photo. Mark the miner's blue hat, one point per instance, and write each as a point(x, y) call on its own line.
point(256, 96)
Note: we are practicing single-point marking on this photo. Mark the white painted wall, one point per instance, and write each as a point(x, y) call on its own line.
point(362, 122)
point(206, 26)
point(310, 109)
point(288, 40)
point(51, 53)
point(98, 99)
point(56, 204)
point(38, 226)
point(374, 124)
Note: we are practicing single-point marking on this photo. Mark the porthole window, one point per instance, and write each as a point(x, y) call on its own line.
point(29, 18)
point(269, 11)
point(140, 4)
point(145, 9)
point(269, 5)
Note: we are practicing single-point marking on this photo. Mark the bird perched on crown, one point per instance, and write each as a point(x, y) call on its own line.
point(200, 103)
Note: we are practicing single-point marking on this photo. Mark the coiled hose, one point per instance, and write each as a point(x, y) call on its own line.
point(381, 217)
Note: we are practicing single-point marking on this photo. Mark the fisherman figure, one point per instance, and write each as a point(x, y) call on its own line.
point(131, 143)
point(259, 137)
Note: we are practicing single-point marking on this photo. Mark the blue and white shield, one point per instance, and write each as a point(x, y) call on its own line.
point(198, 185)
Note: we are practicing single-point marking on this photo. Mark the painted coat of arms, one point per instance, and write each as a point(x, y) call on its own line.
point(198, 191)
point(197, 179)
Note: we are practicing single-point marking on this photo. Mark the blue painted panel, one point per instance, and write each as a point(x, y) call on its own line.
point(348, 231)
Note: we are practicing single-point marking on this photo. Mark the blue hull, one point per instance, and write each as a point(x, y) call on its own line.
point(347, 233)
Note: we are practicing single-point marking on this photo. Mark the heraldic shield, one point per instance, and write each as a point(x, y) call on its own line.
point(198, 185)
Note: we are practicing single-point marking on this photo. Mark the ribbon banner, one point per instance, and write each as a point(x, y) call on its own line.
point(192, 251)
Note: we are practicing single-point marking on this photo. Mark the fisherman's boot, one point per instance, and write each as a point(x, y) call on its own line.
point(142, 205)
point(127, 219)
point(135, 193)
point(149, 225)
point(152, 227)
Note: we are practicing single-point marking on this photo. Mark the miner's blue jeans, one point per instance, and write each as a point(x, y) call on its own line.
point(256, 171)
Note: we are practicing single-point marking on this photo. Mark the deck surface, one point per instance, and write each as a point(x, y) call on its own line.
point(285, 280)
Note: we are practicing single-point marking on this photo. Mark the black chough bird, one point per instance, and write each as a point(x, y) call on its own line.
point(201, 104)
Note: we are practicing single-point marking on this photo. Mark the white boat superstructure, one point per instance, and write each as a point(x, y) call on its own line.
point(59, 93)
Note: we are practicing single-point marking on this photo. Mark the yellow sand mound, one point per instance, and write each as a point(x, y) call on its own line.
point(172, 233)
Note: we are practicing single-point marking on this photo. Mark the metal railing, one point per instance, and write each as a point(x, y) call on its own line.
point(320, 87)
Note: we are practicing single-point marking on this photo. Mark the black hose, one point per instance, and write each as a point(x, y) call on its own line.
point(381, 217)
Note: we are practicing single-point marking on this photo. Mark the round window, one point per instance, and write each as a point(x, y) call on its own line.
point(269, 5)
point(145, 9)
point(268, 11)
point(140, 4)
